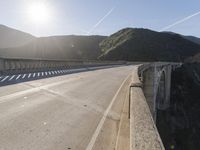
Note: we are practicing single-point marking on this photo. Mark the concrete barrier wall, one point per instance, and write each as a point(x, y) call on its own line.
point(14, 65)
point(143, 132)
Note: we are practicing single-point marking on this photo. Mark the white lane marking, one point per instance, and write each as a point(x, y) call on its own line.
point(101, 123)
point(11, 77)
point(42, 73)
point(58, 71)
point(46, 73)
point(18, 77)
point(49, 72)
point(29, 75)
point(1, 77)
point(24, 76)
point(52, 72)
point(5, 78)
point(33, 75)
point(38, 74)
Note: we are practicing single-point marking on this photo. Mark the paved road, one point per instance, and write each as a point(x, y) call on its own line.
point(76, 111)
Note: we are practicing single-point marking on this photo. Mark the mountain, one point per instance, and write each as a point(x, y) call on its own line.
point(12, 38)
point(136, 44)
point(193, 39)
point(190, 38)
point(130, 44)
point(58, 47)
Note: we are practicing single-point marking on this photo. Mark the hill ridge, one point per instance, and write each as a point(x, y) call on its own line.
point(147, 45)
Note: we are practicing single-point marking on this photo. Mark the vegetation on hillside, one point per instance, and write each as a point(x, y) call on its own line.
point(127, 44)
point(146, 45)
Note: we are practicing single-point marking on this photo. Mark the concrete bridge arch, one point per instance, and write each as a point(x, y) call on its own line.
point(156, 81)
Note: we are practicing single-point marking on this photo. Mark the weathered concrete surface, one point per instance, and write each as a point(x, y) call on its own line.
point(78, 111)
point(143, 132)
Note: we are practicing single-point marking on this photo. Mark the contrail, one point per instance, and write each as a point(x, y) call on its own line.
point(101, 20)
point(180, 21)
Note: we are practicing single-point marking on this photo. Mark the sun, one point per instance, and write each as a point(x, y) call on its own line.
point(39, 12)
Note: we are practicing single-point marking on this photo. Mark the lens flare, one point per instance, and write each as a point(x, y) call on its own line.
point(39, 12)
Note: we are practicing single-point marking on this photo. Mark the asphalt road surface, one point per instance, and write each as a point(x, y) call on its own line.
point(76, 111)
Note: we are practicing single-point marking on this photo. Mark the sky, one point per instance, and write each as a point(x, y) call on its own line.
point(101, 17)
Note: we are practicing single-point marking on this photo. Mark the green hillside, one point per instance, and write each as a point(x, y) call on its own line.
point(146, 45)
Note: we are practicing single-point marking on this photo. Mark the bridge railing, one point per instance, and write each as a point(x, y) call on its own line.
point(143, 131)
point(146, 66)
point(14, 65)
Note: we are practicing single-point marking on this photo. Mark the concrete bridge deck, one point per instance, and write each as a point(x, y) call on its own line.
point(79, 111)
point(111, 108)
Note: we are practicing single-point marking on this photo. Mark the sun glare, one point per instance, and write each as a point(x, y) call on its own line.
point(38, 12)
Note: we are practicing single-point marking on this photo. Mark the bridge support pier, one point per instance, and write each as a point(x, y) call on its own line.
point(156, 87)
point(148, 89)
